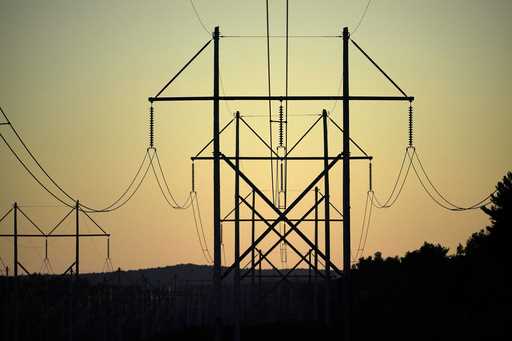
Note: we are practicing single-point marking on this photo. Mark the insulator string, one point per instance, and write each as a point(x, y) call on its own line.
point(410, 126)
point(151, 127)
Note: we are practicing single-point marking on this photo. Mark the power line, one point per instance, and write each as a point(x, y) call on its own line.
point(167, 186)
point(368, 224)
point(363, 225)
point(172, 204)
point(280, 36)
point(32, 156)
point(289, 115)
point(226, 104)
point(352, 33)
point(475, 206)
point(112, 208)
point(361, 18)
point(87, 208)
point(286, 102)
point(390, 201)
point(269, 102)
point(447, 203)
point(201, 22)
point(32, 174)
point(199, 227)
point(3, 264)
point(199, 17)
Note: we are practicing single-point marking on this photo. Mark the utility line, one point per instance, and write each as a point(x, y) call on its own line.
point(352, 34)
point(280, 36)
point(390, 201)
point(106, 209)
point(201, 22)
point(201, 225)
point(367, 225)
point(173, 204)
point(199, 17)
point(32, 174)
point(57, 197)
point(447, 205)
point(33, 158)
point(117, 206)
point(199, 228)
point(269, 102)
point(363, 225)
point(443, 202)
point(361, 18)
point(289, 115)
point(286, 103)
point(167, 186)
point(3, 264)
point(223, 252)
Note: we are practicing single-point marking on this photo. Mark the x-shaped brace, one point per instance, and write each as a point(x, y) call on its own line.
point(282, 215)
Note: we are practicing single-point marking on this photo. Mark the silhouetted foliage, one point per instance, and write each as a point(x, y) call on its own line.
point(430, 295)
point(426, 257)
point(492, 244)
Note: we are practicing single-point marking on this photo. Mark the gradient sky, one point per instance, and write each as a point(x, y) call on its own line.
point(75, 77)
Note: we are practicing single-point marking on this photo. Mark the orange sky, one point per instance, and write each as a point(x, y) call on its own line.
point(75, 78)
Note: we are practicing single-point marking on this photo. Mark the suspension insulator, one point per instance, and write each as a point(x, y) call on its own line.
point(193, 178)
point(281, 135)
point(410, 126)
point(151, 127)
point(370, 177)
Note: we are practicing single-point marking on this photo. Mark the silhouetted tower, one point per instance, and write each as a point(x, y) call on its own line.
point(284, 224)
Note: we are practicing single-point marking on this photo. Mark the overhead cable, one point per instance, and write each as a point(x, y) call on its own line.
point(33, 158)
point(269, 101)
point(199, 17)
point(172, 204)
point(198, 222)
point(32, 174)
point(398, 186)
point(361, 18)
point(443, 202)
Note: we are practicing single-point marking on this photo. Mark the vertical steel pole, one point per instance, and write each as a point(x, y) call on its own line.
point(260, 259)
point(236, 291)
point(15, 240)
point(346, 191)
point(15, 271)
point(316, 233)
point(77, 240)
point(216, 190)
point(253, 237)
point(309, 267)
point(327, 223)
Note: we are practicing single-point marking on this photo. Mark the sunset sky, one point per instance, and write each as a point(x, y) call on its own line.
point(75, 78)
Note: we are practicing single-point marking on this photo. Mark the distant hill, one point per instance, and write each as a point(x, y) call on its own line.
point(179, 275)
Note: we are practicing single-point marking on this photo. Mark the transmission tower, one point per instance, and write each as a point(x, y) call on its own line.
point(283, 210)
